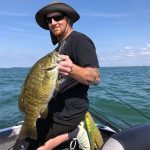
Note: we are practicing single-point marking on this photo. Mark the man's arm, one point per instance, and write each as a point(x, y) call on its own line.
point(87, 75)
point(52, 143)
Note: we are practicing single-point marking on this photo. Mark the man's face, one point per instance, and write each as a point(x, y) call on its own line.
point(57, 23)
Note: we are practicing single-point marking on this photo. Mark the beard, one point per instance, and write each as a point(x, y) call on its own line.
point(57, 31)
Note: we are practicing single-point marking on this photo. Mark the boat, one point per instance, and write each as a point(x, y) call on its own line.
point(139, 134)
point(108, 127)
point(9, 135)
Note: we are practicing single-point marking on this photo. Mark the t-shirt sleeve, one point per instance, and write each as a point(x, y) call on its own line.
point(86, 52)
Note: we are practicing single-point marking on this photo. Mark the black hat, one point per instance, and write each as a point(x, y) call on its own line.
point(55, 7)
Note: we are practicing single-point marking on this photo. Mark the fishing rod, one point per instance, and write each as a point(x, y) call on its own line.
point(110, 114)
point(126, 103)
point(106, 122)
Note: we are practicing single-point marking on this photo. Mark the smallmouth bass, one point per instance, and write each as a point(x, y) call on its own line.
point(37, 90)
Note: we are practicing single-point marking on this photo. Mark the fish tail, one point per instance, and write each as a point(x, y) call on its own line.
point(89, 128)
point(28, 131)
point(98, 139)
point(93, 132)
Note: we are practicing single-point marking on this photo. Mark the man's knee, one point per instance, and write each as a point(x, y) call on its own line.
point(112, 144)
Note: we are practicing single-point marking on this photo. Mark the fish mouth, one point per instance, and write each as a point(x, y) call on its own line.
point(59, 58)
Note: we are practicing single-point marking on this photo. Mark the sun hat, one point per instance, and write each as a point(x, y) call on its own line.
point(55, 7)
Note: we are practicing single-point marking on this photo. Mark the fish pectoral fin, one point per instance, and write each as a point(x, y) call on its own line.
point(28, 131)
point(57, 85)
point(44, 113)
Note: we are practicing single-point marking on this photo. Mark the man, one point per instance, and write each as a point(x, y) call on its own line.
point(78, 69)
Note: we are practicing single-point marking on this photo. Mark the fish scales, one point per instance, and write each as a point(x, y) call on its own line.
point(36, 92)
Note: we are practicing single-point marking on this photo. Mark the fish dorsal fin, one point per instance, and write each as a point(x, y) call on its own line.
point(21, 103)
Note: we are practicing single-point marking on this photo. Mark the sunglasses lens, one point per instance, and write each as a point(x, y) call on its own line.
point(48, 20)
point(56, 18)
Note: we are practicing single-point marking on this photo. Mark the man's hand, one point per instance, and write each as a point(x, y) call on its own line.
point(65, 66)
point(85, 75)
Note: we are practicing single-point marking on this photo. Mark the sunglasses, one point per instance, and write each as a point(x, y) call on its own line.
point(56, 18)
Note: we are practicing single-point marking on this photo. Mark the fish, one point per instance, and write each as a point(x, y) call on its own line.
point(37, 90)
point(95, 137)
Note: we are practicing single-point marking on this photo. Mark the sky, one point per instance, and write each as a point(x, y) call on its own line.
point(120, 30)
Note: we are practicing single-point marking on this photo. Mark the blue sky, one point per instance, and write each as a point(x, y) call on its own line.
point(120, 30)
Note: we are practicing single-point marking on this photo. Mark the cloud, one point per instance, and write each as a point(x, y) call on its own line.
point(131, 54)
point(148, 45)
point(27, 24)
point(105, 15)
point(14, 14)
point(127, 48)
point(14, 29)
point(127, 56)
point(145, 51)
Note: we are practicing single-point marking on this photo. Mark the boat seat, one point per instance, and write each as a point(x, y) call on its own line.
point(134, 138)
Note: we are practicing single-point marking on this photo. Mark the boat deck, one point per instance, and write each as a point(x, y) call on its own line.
point(7, 143)
point(9, 135)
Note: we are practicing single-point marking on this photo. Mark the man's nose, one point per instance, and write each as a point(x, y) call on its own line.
point(53, 21)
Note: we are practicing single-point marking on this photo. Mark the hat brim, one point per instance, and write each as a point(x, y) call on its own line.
point(55, 7)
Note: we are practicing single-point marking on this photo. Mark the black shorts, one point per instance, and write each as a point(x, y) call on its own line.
point(47, 129)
